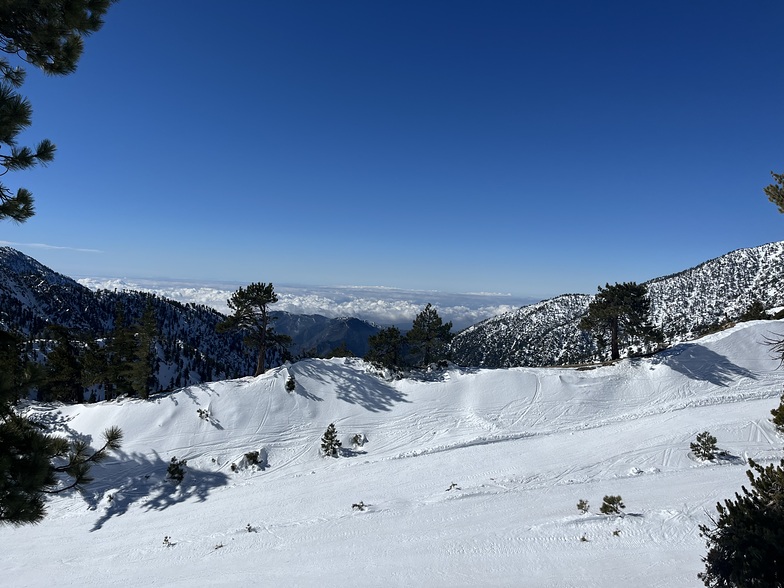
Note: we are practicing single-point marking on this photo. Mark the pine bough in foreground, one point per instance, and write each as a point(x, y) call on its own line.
point(746, 543)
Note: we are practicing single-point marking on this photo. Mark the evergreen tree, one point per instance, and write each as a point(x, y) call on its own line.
point(746, 542)
point(755, 312)
point(120, 347)
point(46, 34)
point(429, 337)
point(251, 313)
point(95, 366)
point(32, 463)
point(612, 505)
point(704, 447)
point(62, 376)
point(386, 348)
point(775, 191)
point(778, 416)
point(620, 312)
point(340, 351)
point(141, 368)
point(330, 445)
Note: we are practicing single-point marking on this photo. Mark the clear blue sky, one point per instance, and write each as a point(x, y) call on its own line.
point(534, 148)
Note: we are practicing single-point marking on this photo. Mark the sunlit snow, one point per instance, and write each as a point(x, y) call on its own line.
point(468, 477)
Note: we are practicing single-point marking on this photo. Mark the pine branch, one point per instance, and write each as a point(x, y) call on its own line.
point(78, 465)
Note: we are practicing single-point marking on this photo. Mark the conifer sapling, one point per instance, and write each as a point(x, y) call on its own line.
point(612, 505)
point(704, 447)
point(330, 445)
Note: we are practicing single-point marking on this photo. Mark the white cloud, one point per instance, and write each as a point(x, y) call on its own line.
point(383, 306)
point(50, 247)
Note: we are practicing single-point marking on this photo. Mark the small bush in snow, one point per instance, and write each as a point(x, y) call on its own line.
point(252, 457)
point(359, 506)
point(330, 445)
point(291, 384)
point(203, 413)
point(704, 447)
point(358, 440)
point(582, 505)
point(176, 470)
point(612, 505)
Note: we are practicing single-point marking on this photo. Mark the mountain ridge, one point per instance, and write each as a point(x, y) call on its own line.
point(683, 305)
point(34, 297)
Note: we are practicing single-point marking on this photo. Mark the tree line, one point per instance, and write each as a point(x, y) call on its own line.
point(426, 343)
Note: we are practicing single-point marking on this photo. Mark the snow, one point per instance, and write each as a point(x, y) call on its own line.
point(469, 477)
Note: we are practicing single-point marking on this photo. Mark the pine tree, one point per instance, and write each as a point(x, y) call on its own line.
point(755, 312)
point(778, 416)
point(746, 543)
point(704, 447)
point(330, 445)
point(95, 366)
point(32, 463)
point(62, 376)
point(386, 348)
point(141, 368)
point(120, 347)
point(775, 191)
point(46, 34)
point(612, 505)
point(429, 337)
point(620, 311)
point(251, 313)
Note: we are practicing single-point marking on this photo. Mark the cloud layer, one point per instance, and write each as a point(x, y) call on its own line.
point(383, 306)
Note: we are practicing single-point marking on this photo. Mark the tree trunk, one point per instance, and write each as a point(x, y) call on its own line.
point(614, 351)
point(260, 368)
point(260, 362)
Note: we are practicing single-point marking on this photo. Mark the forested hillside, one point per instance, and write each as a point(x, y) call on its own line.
point(186, 348)
point(683, 306)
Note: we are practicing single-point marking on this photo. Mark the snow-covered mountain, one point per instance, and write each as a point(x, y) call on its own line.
point(460, 478)
point(683, 305)
point(33, 297)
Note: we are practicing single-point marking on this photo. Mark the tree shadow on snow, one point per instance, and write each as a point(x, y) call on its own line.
point(310, 396)
point(700, 363)
point(355, 387)
point(143, 482)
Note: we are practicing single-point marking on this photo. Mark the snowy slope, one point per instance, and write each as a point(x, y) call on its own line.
point(683, 305)
point(470, 477)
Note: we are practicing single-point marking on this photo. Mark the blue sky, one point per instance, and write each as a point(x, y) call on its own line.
point(530, 148)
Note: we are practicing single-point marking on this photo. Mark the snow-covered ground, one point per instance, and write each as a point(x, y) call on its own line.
point(469, 478)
